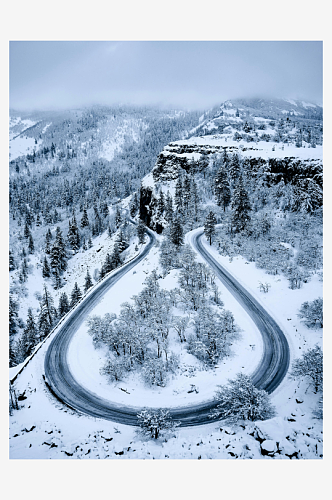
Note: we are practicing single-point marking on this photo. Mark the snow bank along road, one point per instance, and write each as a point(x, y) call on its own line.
point(268, 375)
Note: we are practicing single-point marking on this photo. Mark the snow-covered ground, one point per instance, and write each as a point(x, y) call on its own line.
point(116, 137)
point(45, 428)
point(22, 145)
point(17, 125)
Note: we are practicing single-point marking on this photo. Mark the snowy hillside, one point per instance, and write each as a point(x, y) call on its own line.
point(251, 120)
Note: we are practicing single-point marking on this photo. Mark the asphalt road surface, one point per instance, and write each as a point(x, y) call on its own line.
point(268, 375)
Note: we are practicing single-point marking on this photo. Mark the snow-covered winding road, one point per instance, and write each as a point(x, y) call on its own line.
point(268, 375)
point(275, 360)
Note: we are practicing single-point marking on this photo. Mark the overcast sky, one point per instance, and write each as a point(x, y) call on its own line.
point(45, 75)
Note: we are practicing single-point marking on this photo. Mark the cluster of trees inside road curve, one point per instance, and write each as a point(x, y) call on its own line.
point(140, 338)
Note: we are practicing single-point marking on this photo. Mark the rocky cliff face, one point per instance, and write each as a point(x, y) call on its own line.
point(178, 156)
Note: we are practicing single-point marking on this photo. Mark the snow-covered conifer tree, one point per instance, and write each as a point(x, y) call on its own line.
point(210, 226)
point(64, 305)
point(169, 207)
point(46, 272)
point(141, 232)
point(85, 219)
point(47, 315)
point(88, 281)
point(48, 239)
point(221, 188)
point(240, 206)
point(176, 232)
point(76, 295)
point(29, 336)
point(234, 168)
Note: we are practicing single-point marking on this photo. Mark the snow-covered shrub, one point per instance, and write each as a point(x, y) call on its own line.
point(264, 287)
point(309, 366)
point(214, 333)
point(296, 276)
point(154, 371)
point(241, 400)
point(173, 362)
point(168, 255)
point(154, 423)
point(180, 324)
point(311, 313)
point(115, 368)
point(100, 329)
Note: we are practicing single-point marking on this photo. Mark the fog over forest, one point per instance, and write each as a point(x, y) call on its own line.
point(195, 75)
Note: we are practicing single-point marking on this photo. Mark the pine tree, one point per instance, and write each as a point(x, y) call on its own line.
point(85, 219)
point(141, 232)
point(47, 315)
point(26, 232)
point(64, 305)
point(118, 218)
point(46, 272)
point(203, 163)
point(31, 246)
point(29, 337)
point(134, 205)
point(48, 239)
point(73, 236)
point(24, 270)
point(76, 295)
point(176, 232)
point(106, 267)
point(28, 218)
point(221, 188)
point(58, 257)
point(240, 206)
point(169, 208)
point(98, 226)
point(13, 315)
point(121, 241)
point(90, 242)
point(234, 168)
point(104, 209)
point(57, 281)
point(210, 226)
point(115, 257)
point(88, 281)
point(11, 261)
point(194, 199)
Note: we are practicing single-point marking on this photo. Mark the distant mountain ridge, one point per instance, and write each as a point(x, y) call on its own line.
point(255, 110)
